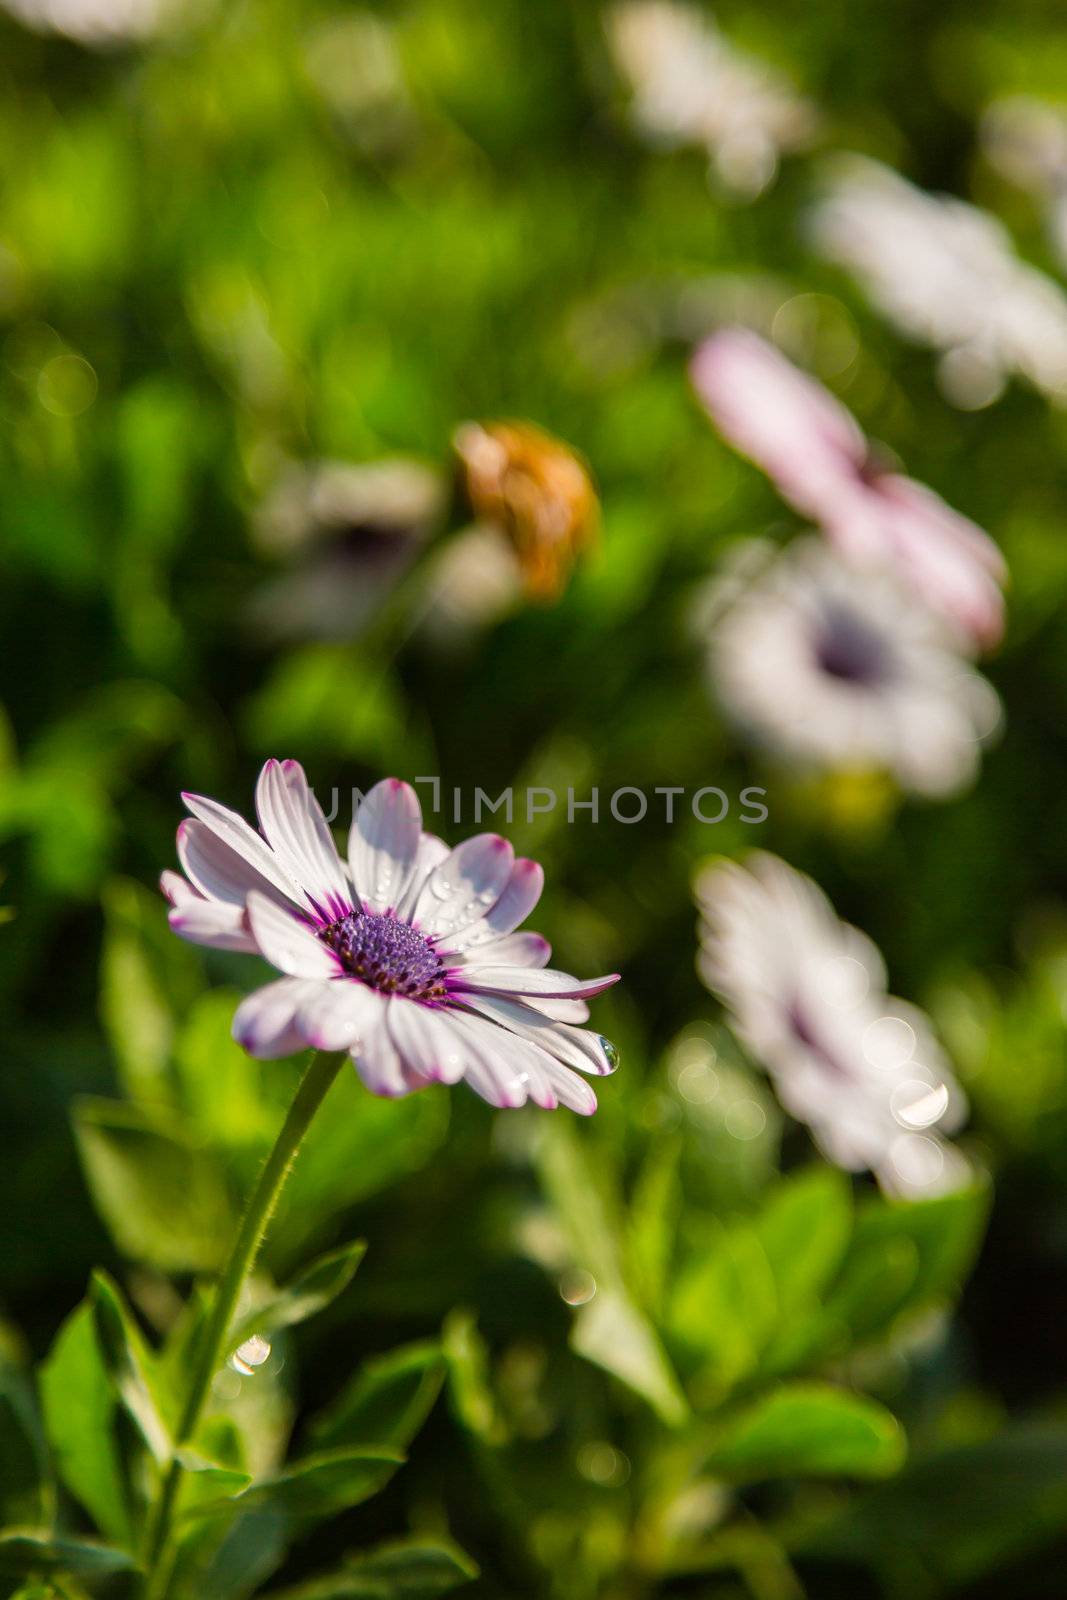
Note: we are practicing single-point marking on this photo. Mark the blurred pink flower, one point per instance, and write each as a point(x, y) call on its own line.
point(819, 460)
point(406, 955)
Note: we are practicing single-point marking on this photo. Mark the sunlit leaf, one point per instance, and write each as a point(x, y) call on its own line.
point(809, 1430)
point(127, 1362)
point(80, 1420)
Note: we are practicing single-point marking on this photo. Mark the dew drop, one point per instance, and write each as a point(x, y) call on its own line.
point(250, 1355)
point(610, 1051)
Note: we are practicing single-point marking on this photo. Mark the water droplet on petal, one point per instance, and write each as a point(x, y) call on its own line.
point(610, 1051)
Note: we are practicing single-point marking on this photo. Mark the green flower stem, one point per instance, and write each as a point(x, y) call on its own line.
point(212, 1349)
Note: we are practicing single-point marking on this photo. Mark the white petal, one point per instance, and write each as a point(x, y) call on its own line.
point(210, 923)
point(518, 898)
point(288, 943)
point(219, 872)
point(379, 1063)
point(574, 1046)
point(489, 1070)
point(337, 1013)
point(570, 1090)
point(528, 981)
point(296, 830)
point(384, 842)
point(507, 1069)
point(558, 1010)
point(177, 891)
point(234, 831)
point(263, 1024)
point(426, 1040)
point(514, 949)
point(467, 883)
point(430, 853)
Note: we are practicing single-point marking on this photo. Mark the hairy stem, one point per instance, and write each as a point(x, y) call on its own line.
point(212, 1346)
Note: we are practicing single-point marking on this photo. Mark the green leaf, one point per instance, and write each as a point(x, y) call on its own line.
point(220, 1085)
point(804, 1229)
point(163, 1198)
point(613, 1334)
point(809, 1429)
point(966, 1510)
point(468, 1379)
point(24, 1553)
point(387, 1400)
point(128, 1364)
point(80, 1420)
point(907, 1255)
point(307, 1294)
point(611, 1330)
point(725, 1309)
point(319, 1485)
point(409, 1570)
point(26, 1492)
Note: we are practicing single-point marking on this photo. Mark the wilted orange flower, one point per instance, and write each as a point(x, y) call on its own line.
point(537, 490)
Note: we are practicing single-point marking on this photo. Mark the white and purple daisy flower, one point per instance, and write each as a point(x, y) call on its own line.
point(806, 994)
point(815, 453)
point(834, 667)
point(407, 956)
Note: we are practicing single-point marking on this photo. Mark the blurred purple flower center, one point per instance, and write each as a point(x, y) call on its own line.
point(802, 1029)
point(386, 954)
point(846, 648)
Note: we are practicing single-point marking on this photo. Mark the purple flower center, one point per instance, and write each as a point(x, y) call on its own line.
point(848, 649)
point(386, 954)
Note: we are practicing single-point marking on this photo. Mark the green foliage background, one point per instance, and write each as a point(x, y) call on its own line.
point(204, 268)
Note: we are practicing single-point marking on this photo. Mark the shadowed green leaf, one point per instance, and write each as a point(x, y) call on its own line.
point(305, 1295)
point(163, 1198)
point(386, 1401)
point(410, 1570)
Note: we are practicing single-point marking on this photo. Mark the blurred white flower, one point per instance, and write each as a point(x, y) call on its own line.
point(347, 533)
point(692, 87)
point(93, 22)
point(833, 666)
point(1025, 140)
point(816, 455)
point(806, 994)
point(946, 274)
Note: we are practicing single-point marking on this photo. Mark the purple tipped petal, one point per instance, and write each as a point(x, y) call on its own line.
point(573, 1046)
point(235, 832)
point(295, 828)
point(384, 843)
point(219, 872)
point(517, 899)
point(468, 882)
point(784, 421)
point(287, 942)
